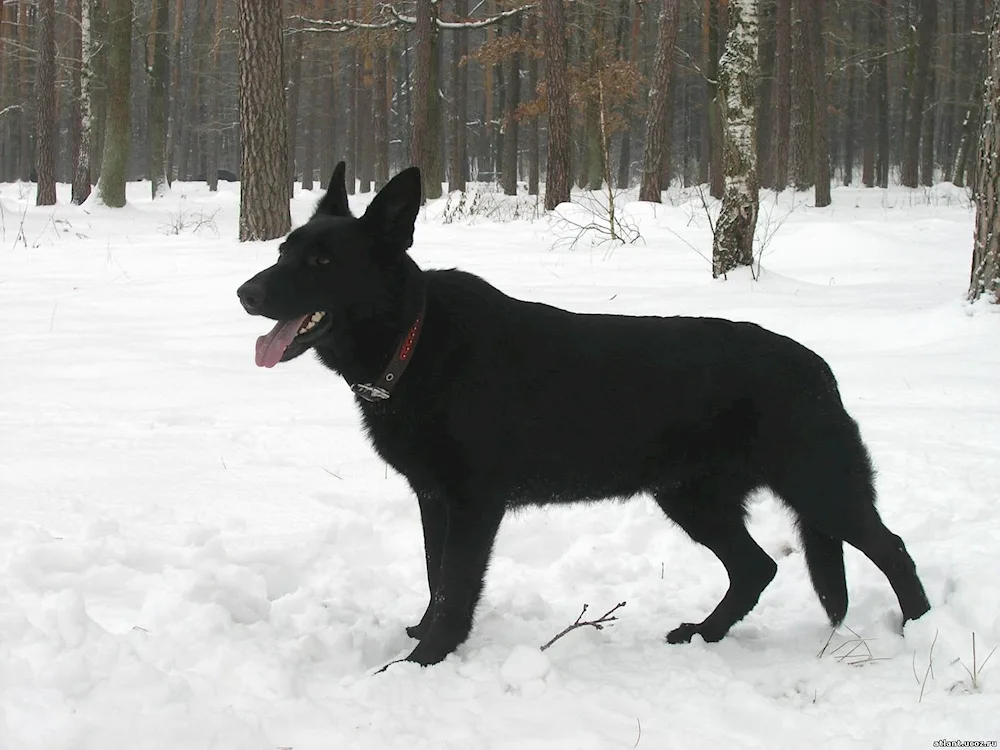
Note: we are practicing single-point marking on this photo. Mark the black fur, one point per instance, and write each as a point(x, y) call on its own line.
point(508, 403)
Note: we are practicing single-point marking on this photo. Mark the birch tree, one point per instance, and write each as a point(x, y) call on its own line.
point(81, 170)
point(734, 231)
point(986, 249)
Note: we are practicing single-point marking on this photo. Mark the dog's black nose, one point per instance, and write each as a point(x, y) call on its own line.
point(251, 295)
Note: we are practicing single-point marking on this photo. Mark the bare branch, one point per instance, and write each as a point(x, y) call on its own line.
point(597, 624)
point(394, 19)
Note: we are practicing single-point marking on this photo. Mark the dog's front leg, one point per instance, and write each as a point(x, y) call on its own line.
point(434, 519)
point(468, 543)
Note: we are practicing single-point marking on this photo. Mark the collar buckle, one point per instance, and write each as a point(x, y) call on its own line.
point(370, 393)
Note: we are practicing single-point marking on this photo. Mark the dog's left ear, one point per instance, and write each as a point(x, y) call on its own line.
point(334, 203)
point(392, 212)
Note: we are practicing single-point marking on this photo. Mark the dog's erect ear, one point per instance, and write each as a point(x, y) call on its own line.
point(334, 203)
point(393, 211)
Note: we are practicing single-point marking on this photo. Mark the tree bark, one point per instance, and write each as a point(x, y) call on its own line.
point(985, 278)
point(264, 197)
point(117, 134)
point(424, 148)
point(293, 86)
point(533, 128)
point(923, 53)
point(81, 171)
point(24, 116)
point(659, 101)
point(557, 172)
point(821, 133)
point(213, 95)
point(45, 90)
point(927, 137)
point(782, 90)
point(511, 103)
point(381, 125)
point(158, 67)
point(802, 140)
point(874, 91)
point(714, 124)
point(174, 103)
point(734, 230)
point(458, 169)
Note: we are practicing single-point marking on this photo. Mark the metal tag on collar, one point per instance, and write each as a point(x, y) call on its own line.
point(370, 393)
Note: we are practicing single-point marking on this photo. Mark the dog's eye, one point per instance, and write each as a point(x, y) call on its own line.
point(321, 260)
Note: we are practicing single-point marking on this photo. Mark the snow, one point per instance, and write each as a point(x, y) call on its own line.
point(199, 553)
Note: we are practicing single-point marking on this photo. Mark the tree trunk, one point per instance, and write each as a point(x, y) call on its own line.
point(45, 90)
point(213, 94)
point(734, 230)
point(716, 169)
point(557, 172)
point(629, 53)
point(458, 169)
point(849, 111)
point(883, 115)
point(533, 134)
point(511, 103)
point(927, 137)
point(117, 133)
point(986, 249)
point(381, 117)
point(923, 52)
point(175, 115)
point(24, 159)
point(821, 133)
point(81, 171)
point(802, 141)
point(158, 66)
point(874, 91)
point(424, 148)
point(782, 90)
point(659, 101)
point(264, 196)
point(293, 85)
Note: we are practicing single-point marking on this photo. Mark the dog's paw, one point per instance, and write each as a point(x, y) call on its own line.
point(683, 633)
point(418, 631)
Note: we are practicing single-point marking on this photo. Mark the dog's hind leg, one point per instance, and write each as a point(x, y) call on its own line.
point(826, 477)
point(465, 554)
point(713, 515)
point(434, 519)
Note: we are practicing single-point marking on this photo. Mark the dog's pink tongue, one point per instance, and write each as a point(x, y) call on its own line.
point(272, 345)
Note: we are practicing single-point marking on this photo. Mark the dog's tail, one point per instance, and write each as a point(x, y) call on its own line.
point(825, 560)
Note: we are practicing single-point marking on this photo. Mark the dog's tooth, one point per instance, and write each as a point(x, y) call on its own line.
point(317, 317)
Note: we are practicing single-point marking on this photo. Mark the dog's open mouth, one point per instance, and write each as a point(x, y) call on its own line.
point(271, 347)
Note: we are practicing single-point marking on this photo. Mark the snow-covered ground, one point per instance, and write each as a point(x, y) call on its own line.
point(199, 553)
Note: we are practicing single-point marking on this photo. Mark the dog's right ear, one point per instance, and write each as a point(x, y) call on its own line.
point(334, 203)
point(392, 212)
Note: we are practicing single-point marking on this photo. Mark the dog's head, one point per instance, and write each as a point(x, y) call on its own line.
point(332, 267)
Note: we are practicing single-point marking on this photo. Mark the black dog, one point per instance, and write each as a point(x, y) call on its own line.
point(485, 403)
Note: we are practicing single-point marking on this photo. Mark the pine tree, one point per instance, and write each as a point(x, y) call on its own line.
point(557, 173)
point(45, 149)
point(659, 99)
point(117, 131)
point(264, 211)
